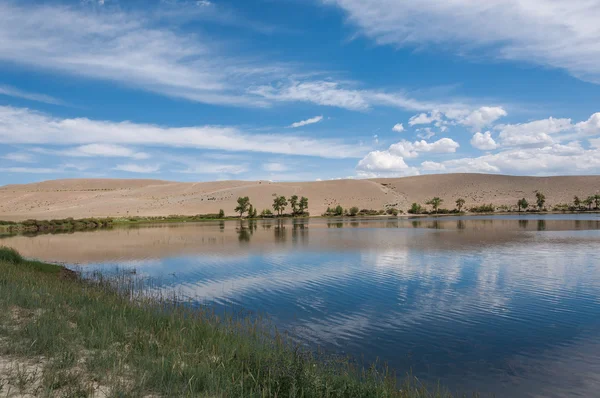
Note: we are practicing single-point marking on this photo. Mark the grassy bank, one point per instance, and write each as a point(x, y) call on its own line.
point(49, 226)
point(62, 336)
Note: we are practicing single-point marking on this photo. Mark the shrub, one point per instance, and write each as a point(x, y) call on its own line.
point(392, 211)
point(353, 211)
point(482, 209)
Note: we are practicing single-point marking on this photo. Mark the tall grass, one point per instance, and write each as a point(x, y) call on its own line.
point(93, 337)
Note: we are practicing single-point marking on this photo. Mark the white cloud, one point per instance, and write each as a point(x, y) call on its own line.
point(424, 118)
point(425, 133)
point(136, 168)
point(391, 162)
point(483, 116)
point(549, 160)
point(129, 48)
point(590, 126)
point(483, 141)
point(408, 149)
point(547, 32)
point(99, 150)
point(23, 126)
point(318, 92)
point(476, 119)
point(595, 143)
point(19, 157)
point(383, 163)
point(15, 92)
point(536, 133)
point(398, 128)
point(306, 122)
point(214, 168)
point(275, 167)
point(432, 166)
point(346, 95)
point(30, 170)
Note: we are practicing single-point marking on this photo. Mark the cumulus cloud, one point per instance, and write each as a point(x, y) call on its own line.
point(550, 160)
point(547, 32)
point(408, 149)
point(483, 141)
point(398, 128)
point(391, 162)
point(23, 126)
point(475, 119)
point(306, 122)
point(536, 133)
point(383, 163)
point(425, 118)
point(482, 117)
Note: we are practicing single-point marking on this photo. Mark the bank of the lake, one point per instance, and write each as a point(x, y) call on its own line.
point(61, 335)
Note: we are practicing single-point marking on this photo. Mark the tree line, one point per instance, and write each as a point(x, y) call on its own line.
point(299, 206)
point(522, 205)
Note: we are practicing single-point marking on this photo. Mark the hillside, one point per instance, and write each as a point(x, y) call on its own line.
point(81, 198)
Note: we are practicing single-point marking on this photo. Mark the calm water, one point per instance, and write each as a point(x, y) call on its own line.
point(502, 305)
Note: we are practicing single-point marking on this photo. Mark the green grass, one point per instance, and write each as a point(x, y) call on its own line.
point(89, 337)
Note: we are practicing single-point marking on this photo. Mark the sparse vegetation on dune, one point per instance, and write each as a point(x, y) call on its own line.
point(63, 336)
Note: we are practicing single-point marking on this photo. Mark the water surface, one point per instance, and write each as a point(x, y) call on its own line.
point(505, 305)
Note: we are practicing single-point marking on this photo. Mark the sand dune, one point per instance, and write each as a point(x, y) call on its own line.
point(80, 198)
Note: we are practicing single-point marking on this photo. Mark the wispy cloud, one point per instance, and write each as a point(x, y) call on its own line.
point(95, 150)
point(132, 49)
point(561, 34)
point(137, 168)
point(19, 157)
point(23, 126)
point(15, 92)
point(306, 122)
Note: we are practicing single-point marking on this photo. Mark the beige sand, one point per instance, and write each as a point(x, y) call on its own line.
point(81, 198)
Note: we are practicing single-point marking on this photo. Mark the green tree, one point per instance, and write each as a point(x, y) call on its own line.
point(435, 203)
point(221, 214)
point(279, 204)
point(577, 202)
point(339, 210)
point(597, 201)
point(353, 211)
point(243, 205)
point(540, 199)
point(522, 204)
point(415, 209)
point(251, 212)
point(589, 201)
point(460, 202)
point(303, 206)
point(294, 203)
point(266, 213)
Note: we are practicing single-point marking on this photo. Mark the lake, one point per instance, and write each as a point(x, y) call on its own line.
point(504, 305)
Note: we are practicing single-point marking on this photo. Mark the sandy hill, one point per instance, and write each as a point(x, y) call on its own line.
point(80, 198)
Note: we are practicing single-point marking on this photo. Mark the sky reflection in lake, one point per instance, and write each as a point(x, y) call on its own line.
point(504, 305)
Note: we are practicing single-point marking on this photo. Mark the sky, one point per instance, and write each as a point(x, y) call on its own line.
point(297, 90)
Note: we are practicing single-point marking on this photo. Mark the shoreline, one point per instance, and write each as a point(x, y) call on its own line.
point(71, 336)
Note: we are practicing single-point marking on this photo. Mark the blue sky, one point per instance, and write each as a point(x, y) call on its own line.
point(292, 90)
